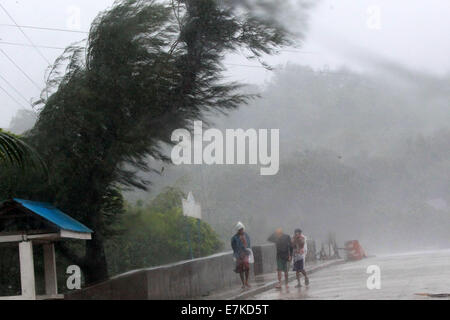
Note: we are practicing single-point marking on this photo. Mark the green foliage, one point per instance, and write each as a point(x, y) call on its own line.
point(169, 199)
point(15, 152)
point(157, 234)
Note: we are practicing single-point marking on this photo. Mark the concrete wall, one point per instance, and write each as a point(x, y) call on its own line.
point(183, 280)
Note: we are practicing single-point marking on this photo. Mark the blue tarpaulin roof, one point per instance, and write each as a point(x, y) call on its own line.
point(54, 215)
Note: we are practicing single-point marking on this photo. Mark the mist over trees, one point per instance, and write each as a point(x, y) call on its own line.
point(157, 234)
point(362, 155)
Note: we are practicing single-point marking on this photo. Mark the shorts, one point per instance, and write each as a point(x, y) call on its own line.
point(242, 264)
point(299, 265)
point(282, 265)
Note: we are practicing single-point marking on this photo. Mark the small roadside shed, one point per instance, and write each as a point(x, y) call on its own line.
point(29, 223)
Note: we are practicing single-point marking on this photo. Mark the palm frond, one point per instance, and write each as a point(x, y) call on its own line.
point(15, 152)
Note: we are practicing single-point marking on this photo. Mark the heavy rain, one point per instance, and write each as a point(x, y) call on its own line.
point(224, 149)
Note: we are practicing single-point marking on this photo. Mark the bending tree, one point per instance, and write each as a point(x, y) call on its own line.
point(148, 68)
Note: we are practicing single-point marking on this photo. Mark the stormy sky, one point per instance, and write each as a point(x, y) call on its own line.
point(355, 34)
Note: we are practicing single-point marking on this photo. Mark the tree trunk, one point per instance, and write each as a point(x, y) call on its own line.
point(96, 269)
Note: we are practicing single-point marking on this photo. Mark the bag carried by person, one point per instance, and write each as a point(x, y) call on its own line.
point(251, 257)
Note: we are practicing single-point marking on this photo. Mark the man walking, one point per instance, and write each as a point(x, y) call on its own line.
point(300, 248)
point(284, 255)
point(240, 243)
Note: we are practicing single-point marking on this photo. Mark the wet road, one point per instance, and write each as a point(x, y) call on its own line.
point(401, 276)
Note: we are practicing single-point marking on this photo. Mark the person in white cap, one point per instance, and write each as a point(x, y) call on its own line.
point(240, 243)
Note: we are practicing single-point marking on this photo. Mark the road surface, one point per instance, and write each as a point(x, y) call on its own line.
point(401, 276)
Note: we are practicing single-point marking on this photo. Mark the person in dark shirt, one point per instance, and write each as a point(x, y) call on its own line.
point(284, 254)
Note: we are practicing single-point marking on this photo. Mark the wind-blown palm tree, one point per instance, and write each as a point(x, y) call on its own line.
point(14, 151)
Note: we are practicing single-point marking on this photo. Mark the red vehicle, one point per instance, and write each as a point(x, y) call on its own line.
point(354, 250)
